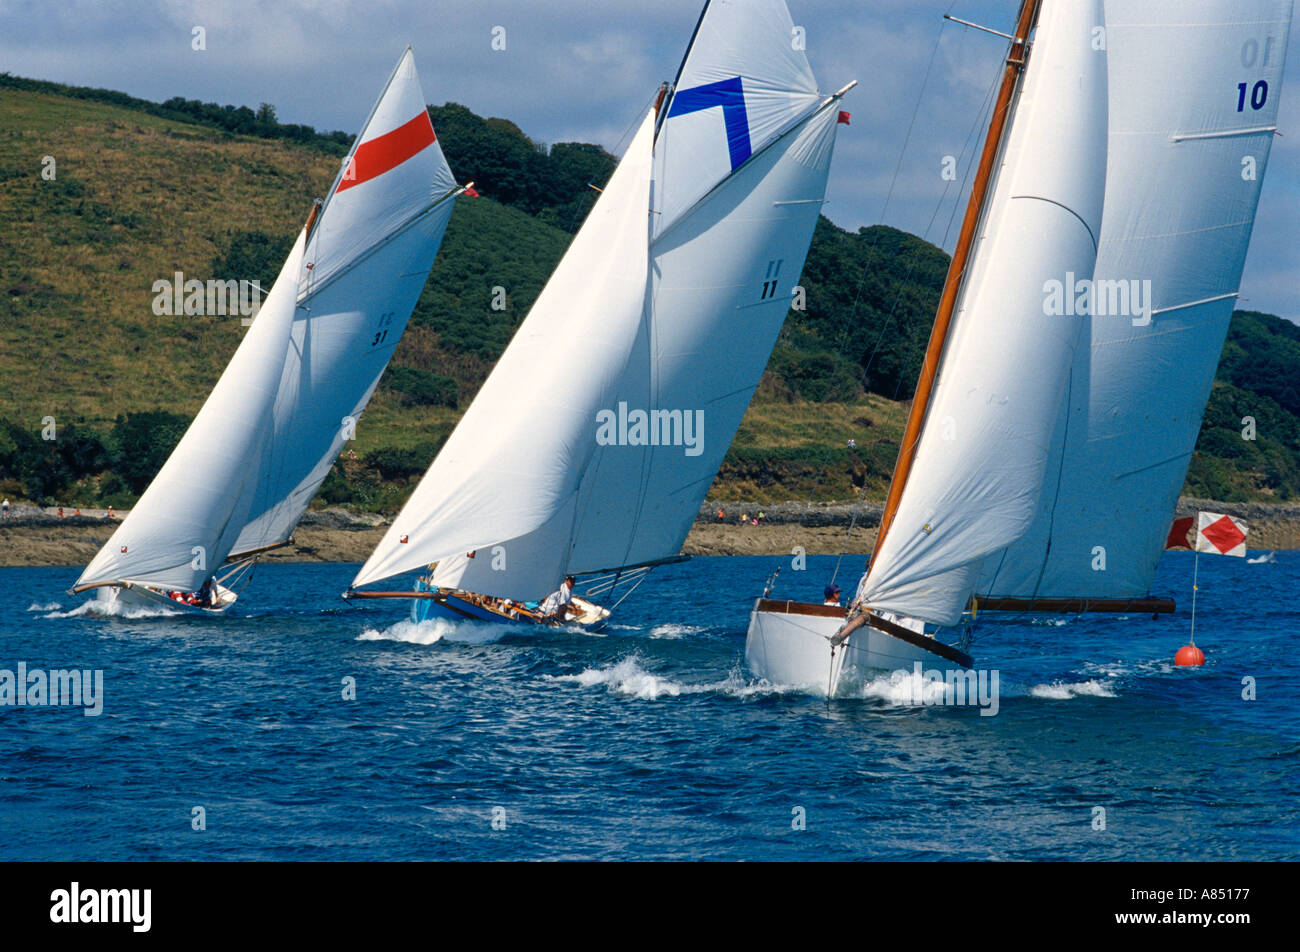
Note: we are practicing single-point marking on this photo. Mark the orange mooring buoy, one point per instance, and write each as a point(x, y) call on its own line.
point(1189, 655)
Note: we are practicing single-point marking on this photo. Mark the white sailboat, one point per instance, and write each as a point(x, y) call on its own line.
point(593, 441)
point(973, 454)
point(1195, 87)
point(244, 473)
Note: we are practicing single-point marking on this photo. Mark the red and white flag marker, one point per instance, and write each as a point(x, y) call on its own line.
point(1221, 535)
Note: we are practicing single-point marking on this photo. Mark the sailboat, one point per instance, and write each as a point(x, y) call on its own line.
point(971, 463)
point(1187, 162)
point(245, 471)
point(590, 446)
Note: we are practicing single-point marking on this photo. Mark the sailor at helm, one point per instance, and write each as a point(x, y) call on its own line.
point(556, 605)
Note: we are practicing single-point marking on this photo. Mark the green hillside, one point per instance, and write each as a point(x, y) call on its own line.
point(141, 190)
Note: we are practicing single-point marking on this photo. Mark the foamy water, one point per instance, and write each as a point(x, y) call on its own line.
point(1062, 691)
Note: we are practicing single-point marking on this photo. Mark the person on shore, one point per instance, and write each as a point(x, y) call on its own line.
point(761, 516)
point(60, 512)
point(744, 518)
point(832, 595)
point(110, 514)
point(5, 507)
point(556, 606)
point(722, 516)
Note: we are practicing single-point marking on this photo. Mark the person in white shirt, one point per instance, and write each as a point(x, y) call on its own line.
point(556, 606)
point(832, 593)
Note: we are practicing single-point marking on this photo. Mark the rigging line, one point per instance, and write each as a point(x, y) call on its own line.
point(902, 154)
point(617, 152)
point(965, 150)
point(980, 121)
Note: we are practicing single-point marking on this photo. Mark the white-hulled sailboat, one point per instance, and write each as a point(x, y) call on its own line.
point(245, 471)
point(972, 458)
point(594, 439)
point(1195, 87)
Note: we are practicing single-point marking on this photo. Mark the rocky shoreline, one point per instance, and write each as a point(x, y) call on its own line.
point(30, 536)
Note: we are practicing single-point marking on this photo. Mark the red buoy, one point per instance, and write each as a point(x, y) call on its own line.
point(1189, 655)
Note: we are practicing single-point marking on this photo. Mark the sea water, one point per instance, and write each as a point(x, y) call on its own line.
point(298, 727)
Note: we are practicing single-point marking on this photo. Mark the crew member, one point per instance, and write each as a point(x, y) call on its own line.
point(556, 605)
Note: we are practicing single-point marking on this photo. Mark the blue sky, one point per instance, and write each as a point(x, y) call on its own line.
point(580, 70)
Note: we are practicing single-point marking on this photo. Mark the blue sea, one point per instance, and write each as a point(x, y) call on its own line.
point(231, 738)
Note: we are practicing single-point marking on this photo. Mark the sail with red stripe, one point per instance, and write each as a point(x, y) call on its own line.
point(366, 263)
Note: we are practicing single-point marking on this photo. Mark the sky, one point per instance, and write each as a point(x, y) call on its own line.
point(585, 70)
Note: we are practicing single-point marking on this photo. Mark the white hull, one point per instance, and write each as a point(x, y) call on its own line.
point(789, 644)
point(134, 595)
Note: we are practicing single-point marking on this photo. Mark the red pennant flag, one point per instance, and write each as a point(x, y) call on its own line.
point(472, 192)
point(844, 118)
point(1180, 534)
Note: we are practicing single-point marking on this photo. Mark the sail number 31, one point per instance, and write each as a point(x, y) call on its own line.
point(382, 335)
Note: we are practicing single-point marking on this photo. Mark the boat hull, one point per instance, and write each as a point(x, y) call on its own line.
point(134, 595)
point(789, 643)
point(461, 606)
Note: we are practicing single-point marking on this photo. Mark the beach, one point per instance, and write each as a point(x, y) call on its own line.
point(33, 537)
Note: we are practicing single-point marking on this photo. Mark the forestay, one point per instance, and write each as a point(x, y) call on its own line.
point(1194, 97)
point(975, 483)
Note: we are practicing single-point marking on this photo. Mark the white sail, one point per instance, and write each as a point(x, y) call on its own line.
point(1194, 87)
point(366, 263)
point(739, 174)
point(739, 180)
point(187, 521)
point(721, 286)
point(515, 459)
point(975, 481)
point(715, 307)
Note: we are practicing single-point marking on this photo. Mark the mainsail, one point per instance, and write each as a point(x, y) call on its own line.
point(1193, 109)
point(248, 466)
point(733, 174)
point(985, 434)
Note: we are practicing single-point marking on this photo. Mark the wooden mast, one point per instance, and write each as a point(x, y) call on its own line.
point(1015, 66)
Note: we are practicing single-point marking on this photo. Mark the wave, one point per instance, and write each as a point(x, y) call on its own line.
point(628, 678)
point(1061, 691)
point(38, 607)
point(434, 630)
point(675, 631)
point(112, 609)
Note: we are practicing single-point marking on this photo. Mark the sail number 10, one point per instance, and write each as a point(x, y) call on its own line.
point(1258, 95)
